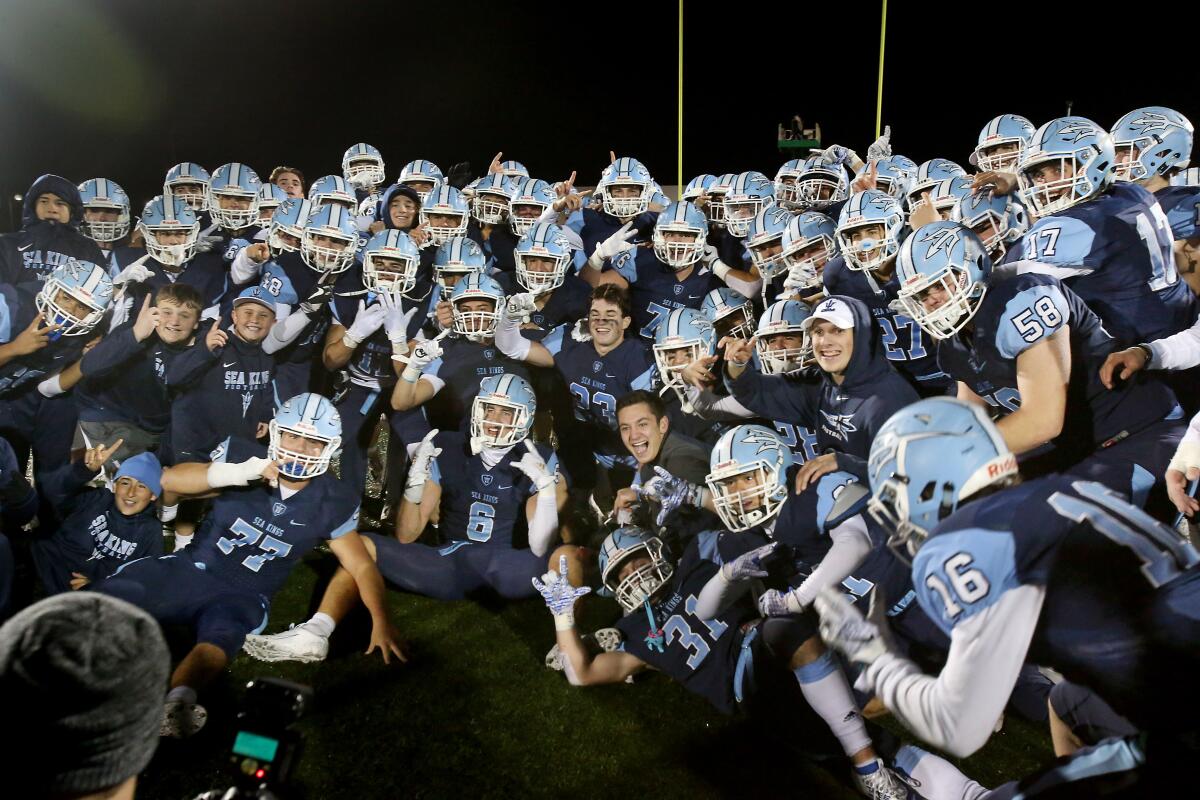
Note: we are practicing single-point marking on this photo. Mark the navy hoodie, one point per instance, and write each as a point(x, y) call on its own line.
point(846, 417)
point(33, 252)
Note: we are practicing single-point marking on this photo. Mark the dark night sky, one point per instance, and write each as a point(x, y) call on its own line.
point(125, 89)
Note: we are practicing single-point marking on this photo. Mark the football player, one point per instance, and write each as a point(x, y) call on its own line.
point(1029, 349)
point(270, 512)
point(483, 491)
point(106, 221)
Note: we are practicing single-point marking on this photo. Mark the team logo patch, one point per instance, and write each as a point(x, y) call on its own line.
point(486, 480)
point(278, 509)
point(596, 366)
point(838, 425)
point(678, 288)
point(489, 354)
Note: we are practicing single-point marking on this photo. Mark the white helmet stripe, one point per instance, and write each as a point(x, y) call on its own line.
point(310, 408)
point(93, 278)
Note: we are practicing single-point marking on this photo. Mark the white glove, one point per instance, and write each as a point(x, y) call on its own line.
point(843, 627)
point(535, 469)
point(424, 354)
point(520, 306)
point(881, 147)
point(560, 595)
point(207, 243)
point(774, 603)
point(709, 255)
point(836, 154)
point(616, 244)
point(366, 322)
point(134, 273)
point(395, 319)
point(1187, 456)
point(580, 332)
point(418, 470)
point(222, 474)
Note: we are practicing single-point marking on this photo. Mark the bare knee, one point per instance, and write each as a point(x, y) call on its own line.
point(809, 651)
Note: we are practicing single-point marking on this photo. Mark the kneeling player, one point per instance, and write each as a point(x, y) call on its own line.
point(476, 489)
point(248, 544)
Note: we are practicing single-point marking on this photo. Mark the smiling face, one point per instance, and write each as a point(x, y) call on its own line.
point(497, 419)
point(641, 432)
point(252, 321)
point(832, 346)
point(176, 323)
point(606, 323)
point(746, 482)
point(131, 496)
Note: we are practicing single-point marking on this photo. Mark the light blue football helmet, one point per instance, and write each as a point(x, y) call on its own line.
point(946, 194)
point(476, 325)
point(332, 189)
point(531, 198)
point(513, 170)
point(871, 207)
point(499, 394)
point(82, 281)
point(169, 214)
point(764, 240)
point(270, 198)
point(785, 182)
point(625, 173)
point(680, 219)
point(239, 183)
point(950, 257)
point(998, 220)
point(641, 584)
point(1077, 140)
point(809, 241)
point(1187, 177)
point(892, 175)
point(1002, 143)
point(1151, 141)
point(821, 185)
point(362, 166)
point(682, 337)
point(447, 204)
point(456, 257)
point(287, 225)
point(101, 194)
point(313, 417)
point(421, 176)
point(542, 257)
point(926, 460)
point(390, 261)
point(749, 194)
point(329, 241)
point(696, 187)
point(929, 175)
point(492, 196)
point(775, 357)
point(188, 182)
point(749, 449)
point(729, 312)
point(714, 209)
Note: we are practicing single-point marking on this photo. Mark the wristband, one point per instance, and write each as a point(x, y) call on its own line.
point(411, 374)
point(349, 341)
point(721, 269)
point(564, 622)
point(1149, 351)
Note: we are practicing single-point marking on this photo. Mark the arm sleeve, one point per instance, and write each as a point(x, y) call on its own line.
point(544, 524)
point(285, 332)
point(775, 397)
point(855, 465)
point(243, 269)
point(711, 407)
point(112, 351)
point(509, 339)
point(717, 594)
point(189, 365)
point(957, 710)
point(1179, 351)
point(851, 544)
point(744, 288)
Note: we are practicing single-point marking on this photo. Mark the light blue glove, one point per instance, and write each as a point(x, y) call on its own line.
point(749, 565)
point(671, 493)
point(560, 595)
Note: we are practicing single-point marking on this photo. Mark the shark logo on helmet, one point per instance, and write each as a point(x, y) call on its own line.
point(1151, 121)
point(939, 240)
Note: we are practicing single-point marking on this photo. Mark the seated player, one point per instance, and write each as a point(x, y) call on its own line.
point(1058, 570)
point(1030, 350)
point(269, 513)
point(735, 661)
point(486, 492)
point(101, 529)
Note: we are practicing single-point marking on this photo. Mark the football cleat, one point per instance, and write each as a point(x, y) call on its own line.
point(182, 720)
point(295, 644)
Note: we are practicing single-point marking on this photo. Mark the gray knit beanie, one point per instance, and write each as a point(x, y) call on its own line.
point(82, 681)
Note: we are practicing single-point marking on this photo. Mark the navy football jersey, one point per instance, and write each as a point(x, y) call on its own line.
point(905, 344)
point(596, 381)
point(17, 310)
point(1120, 588)
point(481, 505)
point(595, 226)
point(253, 535)
point(655, 289)
point(701, 654)
point(567, 305)
point(1181, 204)
point(462, 366)
point(371, 364)
point(1019, 311)
point(288, 280)
point(124, 379)
point(207, 273)
point(498, 246)
point(1115, 252)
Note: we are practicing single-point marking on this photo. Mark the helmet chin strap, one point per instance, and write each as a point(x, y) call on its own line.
point(655, 638)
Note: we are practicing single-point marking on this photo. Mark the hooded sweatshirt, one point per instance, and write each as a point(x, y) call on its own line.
point(846, 417)
point(33, 252)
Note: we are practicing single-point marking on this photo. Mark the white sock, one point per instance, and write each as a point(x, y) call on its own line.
point(934, 777)
point(182, 694)
point(321, 624)
point(827, 691)
point(182, 540)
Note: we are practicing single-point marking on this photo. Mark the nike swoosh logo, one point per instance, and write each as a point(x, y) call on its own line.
point(299, 524)
point(609, 376)
point(230, 364)
point(502, 488)
point(26, 247)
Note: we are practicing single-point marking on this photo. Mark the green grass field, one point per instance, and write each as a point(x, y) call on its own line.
point(476, 714)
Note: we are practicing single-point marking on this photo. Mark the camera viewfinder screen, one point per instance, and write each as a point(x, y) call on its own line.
point(255, 746)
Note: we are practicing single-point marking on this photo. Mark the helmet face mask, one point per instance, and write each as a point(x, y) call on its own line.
point(957, 307)
point(627, 203)
point(478, 323)
point(393, 274)
point(329, 242)
point(101, 196)
point(503, 411)
point(305, 435)
point(678, 246)
point(541, 272)
point(74, 297)
point(748, 476)
point(1069, 160)
point(455, 259)
point(783, 360)
point(167, 215)
point(490, 208)
point(233, 196)
point(188, 182)
point(1002, 156)
point(942, 269)
point(1151, 142)
point(638, 585)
